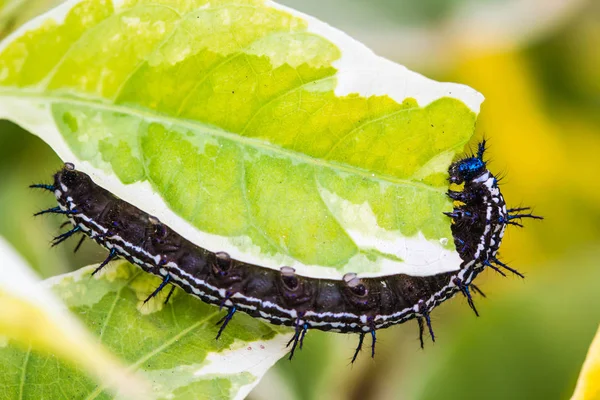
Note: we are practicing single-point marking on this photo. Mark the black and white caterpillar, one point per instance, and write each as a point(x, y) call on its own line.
point(282, 297)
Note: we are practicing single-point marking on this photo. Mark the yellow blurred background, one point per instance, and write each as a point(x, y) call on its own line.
point(538, 65)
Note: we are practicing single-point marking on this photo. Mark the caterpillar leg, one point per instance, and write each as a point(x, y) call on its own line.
point(160, 287)
point(61, 238)
point(298, 337)
point(502, 265)
point(44, 186)
point(225, 320)
point(421, 331)
point(425, 314)
point(467, 293)
point(111, 256)
point(373, 342)
point(170, 293)
point(361, 338)
point(79, 244)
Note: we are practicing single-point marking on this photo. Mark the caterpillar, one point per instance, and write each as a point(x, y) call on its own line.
point(350, 305)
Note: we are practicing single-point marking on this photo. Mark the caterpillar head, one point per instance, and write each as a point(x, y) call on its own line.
point(468, 168)
point(68, 180)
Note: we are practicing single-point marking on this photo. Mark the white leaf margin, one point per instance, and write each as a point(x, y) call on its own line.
point(360, 71)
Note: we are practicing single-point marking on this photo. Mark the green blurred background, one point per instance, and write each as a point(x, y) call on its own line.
point(537, 62)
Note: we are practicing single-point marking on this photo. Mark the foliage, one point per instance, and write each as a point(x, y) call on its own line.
point(249, 128)
point(171, 345)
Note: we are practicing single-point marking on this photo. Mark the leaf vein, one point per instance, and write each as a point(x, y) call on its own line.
point(24, 374)
point(365, 124)
point(144, 114)
point(88, 32)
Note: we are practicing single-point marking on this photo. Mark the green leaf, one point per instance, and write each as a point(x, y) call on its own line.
point(33, 322)
point(172, 345)
point(248, 128)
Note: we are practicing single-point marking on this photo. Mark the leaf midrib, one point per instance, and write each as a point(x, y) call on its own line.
point(196, 126)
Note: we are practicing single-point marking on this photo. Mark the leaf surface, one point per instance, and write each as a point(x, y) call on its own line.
point(247, 127)
point(172, 345)
point(33, 321)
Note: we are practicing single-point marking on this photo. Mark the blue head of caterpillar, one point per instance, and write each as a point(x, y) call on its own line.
point(468, 168)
